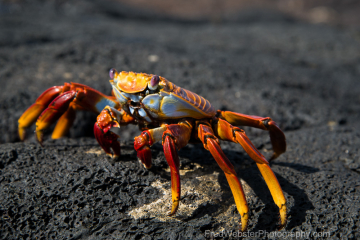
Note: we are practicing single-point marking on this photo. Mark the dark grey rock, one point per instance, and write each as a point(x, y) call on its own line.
point(306, 77)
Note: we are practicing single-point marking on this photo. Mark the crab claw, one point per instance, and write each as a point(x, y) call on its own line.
point(102, 130)
point(141, 145)
point(107, 140)
point(144, 154)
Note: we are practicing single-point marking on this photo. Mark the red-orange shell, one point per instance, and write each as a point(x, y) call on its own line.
point(131, 82)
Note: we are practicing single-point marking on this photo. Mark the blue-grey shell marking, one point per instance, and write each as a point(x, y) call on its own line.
point(152, 104)
point(173, 106)
point(122, 100)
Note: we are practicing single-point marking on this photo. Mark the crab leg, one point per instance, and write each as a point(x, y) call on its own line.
point(226, 131)
point(62, 102)
point(173, 136)
point(64, 123)
point(277, 137)
point(53, 112)
point(173, 160)
point(33, 112)
point(211, 143)
point(143, 142)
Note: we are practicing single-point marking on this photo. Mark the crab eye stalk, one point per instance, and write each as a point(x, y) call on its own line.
point(112, 73)
point(154, 82)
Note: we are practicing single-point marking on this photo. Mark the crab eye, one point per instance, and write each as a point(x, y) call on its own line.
point(154, 81)
point(112, 73)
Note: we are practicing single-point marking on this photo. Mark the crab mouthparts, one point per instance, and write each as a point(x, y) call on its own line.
point(135, 104)
point(137, 97)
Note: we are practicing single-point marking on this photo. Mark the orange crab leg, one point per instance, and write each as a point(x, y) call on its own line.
point(277, 137)
point(175, 137)
point(226, 131)
point(173, 160)
point(32, 113)
point(62, 101)
point(65, 122)
point(206, 135)
point(56, 108)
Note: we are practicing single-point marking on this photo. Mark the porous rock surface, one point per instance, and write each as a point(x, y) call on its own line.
point(306, 77)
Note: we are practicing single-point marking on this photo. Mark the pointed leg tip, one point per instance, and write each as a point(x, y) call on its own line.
point(281, 227)
point(22, 133)
point(283, 217)
point(113, 155)
point(55, 135)
point(174, 208)
point(145, 166)
point(115, 146)
point(244, 222)
point(109, 153)
point(39, 136)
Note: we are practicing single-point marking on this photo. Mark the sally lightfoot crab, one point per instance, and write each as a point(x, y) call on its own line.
point(164, 112)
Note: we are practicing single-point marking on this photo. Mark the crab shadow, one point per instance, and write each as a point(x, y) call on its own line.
point(269, 216)
point(266, 217)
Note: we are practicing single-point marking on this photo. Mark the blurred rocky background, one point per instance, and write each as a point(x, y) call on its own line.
point(295, 61)
point(337, 13)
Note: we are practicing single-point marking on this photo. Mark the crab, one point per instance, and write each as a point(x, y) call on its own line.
point(164, 112)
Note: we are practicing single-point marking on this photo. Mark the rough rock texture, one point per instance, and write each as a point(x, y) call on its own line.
point(306, 77)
